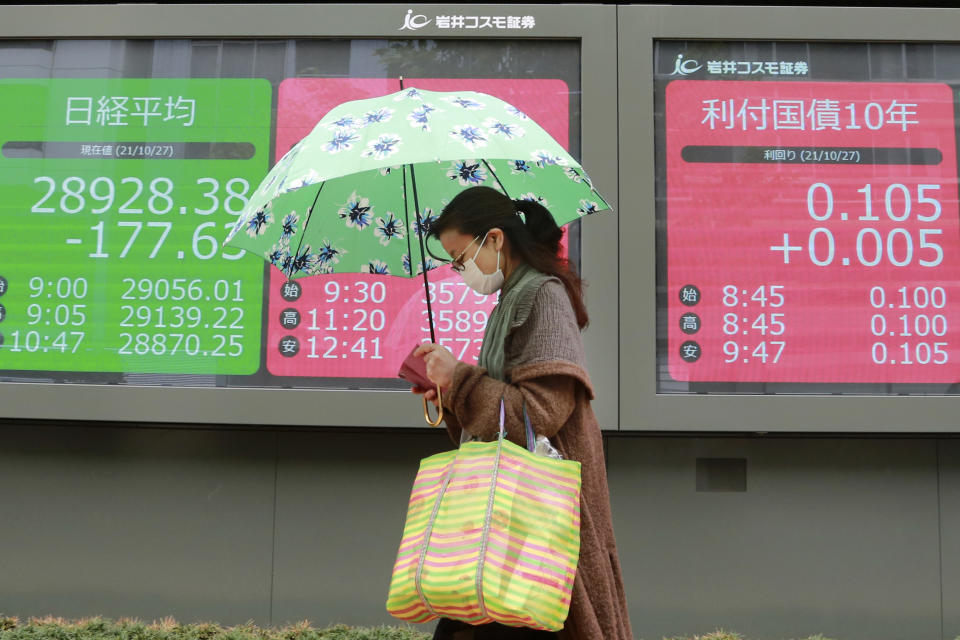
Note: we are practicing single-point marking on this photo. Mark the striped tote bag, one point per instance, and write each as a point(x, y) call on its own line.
point(492, 535)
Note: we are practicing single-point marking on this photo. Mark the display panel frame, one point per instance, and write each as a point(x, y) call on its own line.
point(591, 26)
point(643, 408)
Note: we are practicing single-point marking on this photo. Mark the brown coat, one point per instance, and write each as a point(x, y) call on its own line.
point(545, 367)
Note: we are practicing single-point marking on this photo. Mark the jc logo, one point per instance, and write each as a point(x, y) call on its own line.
point(685, 67)
point(414, 22)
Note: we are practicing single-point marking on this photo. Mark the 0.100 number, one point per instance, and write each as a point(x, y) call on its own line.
point(922, 325)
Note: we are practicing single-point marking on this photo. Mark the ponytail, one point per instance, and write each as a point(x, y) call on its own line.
point(541, 225)
point(533, 233)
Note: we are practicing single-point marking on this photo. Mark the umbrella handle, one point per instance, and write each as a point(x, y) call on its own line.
point(426, 411)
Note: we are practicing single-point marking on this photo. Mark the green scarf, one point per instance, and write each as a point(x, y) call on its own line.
point(516, 301)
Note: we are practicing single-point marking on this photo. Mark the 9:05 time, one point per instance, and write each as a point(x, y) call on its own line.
point(60, 315)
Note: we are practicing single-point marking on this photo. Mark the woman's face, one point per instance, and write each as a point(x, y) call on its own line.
point(462, 247)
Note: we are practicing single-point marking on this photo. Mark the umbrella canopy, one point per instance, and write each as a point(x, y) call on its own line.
point(359, 193)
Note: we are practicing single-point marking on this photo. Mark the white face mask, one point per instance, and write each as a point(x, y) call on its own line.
point(482, 283)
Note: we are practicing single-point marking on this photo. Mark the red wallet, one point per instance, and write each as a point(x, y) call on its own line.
point(414, 370)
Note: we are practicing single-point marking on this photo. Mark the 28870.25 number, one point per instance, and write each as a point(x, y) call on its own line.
point(170, 344)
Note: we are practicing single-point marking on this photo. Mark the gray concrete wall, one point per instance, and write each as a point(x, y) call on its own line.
point(849, 537)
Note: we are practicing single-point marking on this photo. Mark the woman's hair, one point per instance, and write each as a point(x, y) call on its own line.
point(534, 237)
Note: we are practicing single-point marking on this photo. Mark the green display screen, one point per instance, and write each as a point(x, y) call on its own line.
point(115, 196)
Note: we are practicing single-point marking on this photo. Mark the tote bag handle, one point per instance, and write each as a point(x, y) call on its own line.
point(531, 438)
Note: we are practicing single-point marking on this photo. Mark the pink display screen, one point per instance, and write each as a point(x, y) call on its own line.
point(359, 325)
point(811, 229)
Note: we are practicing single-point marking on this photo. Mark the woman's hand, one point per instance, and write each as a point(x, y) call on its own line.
point(440, 365)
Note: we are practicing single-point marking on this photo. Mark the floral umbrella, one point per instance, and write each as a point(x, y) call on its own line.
point(359, 193)
point(347, 197)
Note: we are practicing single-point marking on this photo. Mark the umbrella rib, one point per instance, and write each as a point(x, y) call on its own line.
point(307, 221)
point(406, 215)
point(423, 256)
point(495, 177)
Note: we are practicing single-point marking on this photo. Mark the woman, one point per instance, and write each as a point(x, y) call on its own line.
point(532, 353)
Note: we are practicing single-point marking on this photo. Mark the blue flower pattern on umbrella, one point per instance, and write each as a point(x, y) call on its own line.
point(277, 252)
point(303, 261)
point(520, 167)
point(328, 255)
point(587, 207)
point(544, 158)
point(345, 122)
point(431, 264)
point(532, 197)
point(289, 226)
point(286, 263)
point(259, 221)
point(468, 172)
point(508, 131)
point(411, 94)
point(356, 211)
point(383, 147)
point(377, 116)
point(388, 229)
point(472, 137)
point(420, 117)
point(342, 140)
point(427, 220)
point(378, 267)
point(465, 103)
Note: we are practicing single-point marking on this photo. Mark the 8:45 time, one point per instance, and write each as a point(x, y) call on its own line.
point(766, 295)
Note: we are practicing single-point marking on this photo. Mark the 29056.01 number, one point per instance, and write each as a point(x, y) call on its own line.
point(189, 344)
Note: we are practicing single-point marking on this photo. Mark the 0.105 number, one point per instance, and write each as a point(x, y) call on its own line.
point(898, 202)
